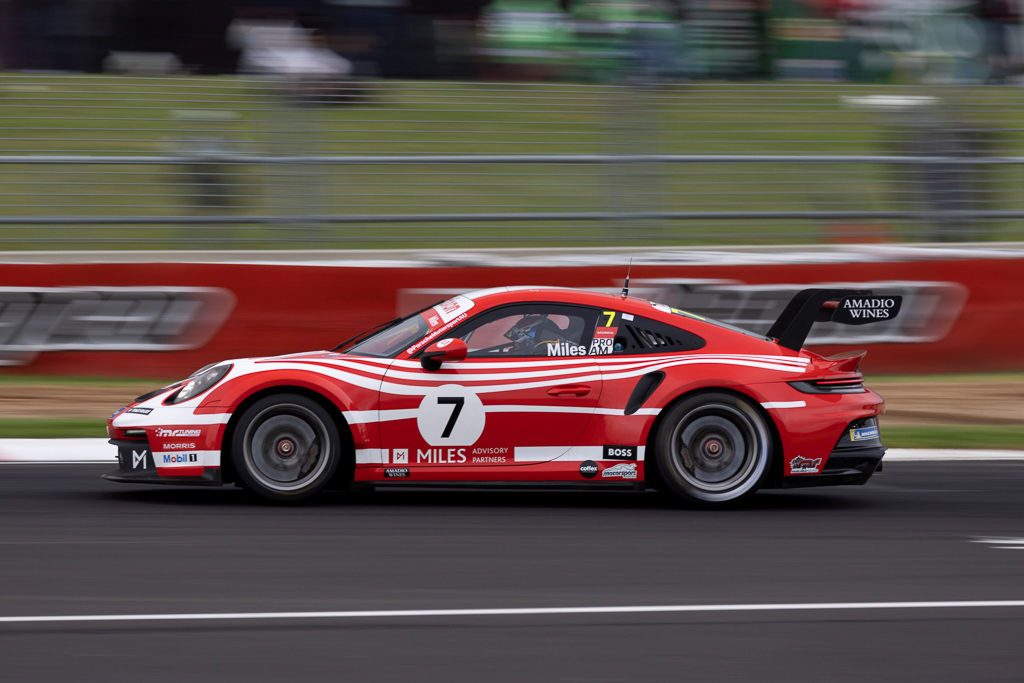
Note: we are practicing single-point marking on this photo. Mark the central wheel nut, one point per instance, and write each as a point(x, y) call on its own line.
point(713, 448)
point(285, 447)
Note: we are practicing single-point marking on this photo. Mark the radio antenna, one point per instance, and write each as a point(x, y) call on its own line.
point(625, 287)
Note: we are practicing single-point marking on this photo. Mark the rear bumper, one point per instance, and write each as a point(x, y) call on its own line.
point(856, 456)
point(846, 466)
point(137, 466)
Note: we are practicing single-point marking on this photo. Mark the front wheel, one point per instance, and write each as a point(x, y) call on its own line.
point(713, 449)
point(286, 448)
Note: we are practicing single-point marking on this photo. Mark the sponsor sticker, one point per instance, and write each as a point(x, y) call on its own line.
point(180, 458)
point(863, 433)
point(627, 316)
point(139, 459)
point(861, 310)
point(603, 342)
point(393, 472)
point(566, 349)
point(454, 307)
point(436, 333)
point(588, 469)
point(178, 447)
point(801, 465)
point(625, 470)
point(400, 456)
point(141, 411)
point(619, 452)
point(178, 432)
point(444, 342)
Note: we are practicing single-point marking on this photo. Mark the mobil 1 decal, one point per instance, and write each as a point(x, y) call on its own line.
point(450, 415)
point(861, 310)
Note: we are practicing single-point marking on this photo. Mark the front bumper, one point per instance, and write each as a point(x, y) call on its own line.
point(136, 465)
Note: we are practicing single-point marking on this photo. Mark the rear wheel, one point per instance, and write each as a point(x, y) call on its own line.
point(713, 449)
point(286, 448)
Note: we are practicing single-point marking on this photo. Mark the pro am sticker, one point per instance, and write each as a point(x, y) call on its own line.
point(603, 342)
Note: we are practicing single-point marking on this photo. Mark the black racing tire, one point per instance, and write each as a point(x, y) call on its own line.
point(286, 448)
point(712, 449)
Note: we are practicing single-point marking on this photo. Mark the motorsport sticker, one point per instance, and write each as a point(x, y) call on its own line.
point(400, 456)
point(799, 465)
point(619, 453)
point(391, 472)
point(626, 470)
point(588, 469)
point(863, 433)
point(140, 411)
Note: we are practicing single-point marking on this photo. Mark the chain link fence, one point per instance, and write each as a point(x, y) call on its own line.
point(187, 162)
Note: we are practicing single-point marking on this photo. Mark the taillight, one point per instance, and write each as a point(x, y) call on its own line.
point(847, 385)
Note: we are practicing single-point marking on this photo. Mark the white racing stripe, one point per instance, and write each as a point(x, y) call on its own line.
point(522, 611)
point(784, 404)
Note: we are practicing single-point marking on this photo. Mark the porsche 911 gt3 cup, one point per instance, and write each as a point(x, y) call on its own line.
point(527, 385)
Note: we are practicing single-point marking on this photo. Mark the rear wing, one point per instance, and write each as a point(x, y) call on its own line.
point(846, 306)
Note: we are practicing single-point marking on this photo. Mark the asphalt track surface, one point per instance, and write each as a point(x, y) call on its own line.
point(73, 544)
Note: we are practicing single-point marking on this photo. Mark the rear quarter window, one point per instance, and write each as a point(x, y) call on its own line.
point(643, 335)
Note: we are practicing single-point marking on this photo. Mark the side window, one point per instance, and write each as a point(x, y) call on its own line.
point(624, 333)
point(528, 330)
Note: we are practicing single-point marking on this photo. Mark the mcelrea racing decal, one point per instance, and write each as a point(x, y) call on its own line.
point(799, 465)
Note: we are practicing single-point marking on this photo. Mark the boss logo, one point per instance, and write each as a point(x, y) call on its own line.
point(619, 453)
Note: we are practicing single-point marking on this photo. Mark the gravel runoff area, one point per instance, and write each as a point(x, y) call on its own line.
point(994, 401)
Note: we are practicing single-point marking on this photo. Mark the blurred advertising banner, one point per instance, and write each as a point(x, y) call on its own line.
point(130, 317)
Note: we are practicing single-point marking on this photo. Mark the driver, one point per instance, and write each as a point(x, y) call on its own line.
point(532, 334)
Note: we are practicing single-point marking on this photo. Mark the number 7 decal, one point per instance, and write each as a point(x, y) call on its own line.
point(458, 402)
point(611, 317)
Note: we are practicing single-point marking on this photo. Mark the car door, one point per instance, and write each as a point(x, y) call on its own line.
point(524, 394)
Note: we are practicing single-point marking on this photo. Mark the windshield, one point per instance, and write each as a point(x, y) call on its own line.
point(394, 338)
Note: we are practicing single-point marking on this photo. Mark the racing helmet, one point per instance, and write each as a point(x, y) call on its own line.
point(531, 330)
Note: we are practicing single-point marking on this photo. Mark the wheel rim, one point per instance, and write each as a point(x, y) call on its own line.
point(717, 448)
point(286, 447)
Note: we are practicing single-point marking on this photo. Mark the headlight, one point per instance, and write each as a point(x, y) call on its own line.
point(198, 383)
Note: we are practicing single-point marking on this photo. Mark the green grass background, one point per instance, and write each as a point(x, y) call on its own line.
point(42, 114)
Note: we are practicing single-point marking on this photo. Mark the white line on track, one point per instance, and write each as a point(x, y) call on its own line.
point(523, 611)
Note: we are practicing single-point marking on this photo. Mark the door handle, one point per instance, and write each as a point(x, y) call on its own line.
point(570, 390)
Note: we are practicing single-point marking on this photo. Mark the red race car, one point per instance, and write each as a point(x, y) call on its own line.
point(527, 385)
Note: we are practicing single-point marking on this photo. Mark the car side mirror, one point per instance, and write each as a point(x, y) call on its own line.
point(445, 351)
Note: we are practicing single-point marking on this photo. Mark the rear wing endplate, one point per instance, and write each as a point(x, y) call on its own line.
point(845, 306)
